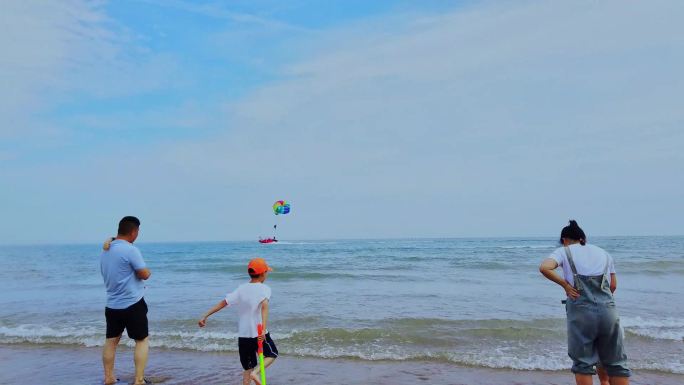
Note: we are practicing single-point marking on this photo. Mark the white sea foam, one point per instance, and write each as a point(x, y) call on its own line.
point(32, 330)
point(676, 367)
point(660, 329)
point(201, 340)
point(518, 356)
point(41, 334)
point(498, 358)
point(365, 352)
point(505, 358)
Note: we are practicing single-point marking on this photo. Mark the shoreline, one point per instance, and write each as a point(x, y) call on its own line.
point(58, 364)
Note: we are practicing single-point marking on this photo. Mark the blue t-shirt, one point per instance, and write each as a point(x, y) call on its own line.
point(118, 266)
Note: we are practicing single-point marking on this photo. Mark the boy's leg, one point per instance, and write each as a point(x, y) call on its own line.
point(270, 354)
point(247, 377)
point(108, 358)
point(256, 374)
point(142, 348)
point(247, 347)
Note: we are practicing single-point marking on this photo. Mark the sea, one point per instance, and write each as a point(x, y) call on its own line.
point(477, 302)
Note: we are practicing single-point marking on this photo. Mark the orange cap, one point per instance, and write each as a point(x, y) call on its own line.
point(258, 266)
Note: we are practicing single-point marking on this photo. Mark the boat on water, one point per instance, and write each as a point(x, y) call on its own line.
point(279, 208)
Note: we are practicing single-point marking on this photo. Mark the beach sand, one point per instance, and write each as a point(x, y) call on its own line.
point(48, 365)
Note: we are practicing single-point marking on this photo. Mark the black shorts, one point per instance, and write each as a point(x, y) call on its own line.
point(248, 348)
point(132, 318)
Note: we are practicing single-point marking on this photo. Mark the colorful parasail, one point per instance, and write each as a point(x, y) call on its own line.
point(281, 207)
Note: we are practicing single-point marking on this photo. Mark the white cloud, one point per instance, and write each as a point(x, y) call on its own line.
point(41, 42)
point(497, 111)
point(217, 10)
point(499, 119)
point(54, 52)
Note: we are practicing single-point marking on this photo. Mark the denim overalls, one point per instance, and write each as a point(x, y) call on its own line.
point(594, 332)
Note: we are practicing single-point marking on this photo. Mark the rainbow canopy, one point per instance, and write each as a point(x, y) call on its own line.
point(281, 207)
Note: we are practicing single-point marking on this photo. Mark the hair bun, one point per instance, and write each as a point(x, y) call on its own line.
point(573, 231)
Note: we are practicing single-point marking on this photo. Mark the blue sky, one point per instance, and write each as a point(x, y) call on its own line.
point(374, 118)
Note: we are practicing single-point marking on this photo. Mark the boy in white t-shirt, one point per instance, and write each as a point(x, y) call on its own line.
point(251, 300)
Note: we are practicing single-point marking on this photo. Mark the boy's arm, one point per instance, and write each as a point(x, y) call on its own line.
point(264, 317)
point(108, 243)
point(202, 322)
point(613, 282)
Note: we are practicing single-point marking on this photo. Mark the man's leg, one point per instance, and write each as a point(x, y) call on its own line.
point(142, 347)
point(136, 327)
point(108, 357)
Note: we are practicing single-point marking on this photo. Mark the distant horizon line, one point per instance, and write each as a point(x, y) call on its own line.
point(517, 237)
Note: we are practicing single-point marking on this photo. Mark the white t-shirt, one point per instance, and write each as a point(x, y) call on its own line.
point(247, 299)
point(589, 260)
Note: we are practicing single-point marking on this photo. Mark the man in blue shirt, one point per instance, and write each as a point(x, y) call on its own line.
point(123, 270)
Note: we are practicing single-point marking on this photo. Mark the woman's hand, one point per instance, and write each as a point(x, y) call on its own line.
point(203, 322)
point(570, 291)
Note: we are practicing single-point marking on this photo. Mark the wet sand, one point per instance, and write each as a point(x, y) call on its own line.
point(48, 365)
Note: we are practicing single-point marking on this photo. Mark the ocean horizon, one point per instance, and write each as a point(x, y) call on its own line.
point(324, 239)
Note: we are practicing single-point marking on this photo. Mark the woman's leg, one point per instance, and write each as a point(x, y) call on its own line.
point(611, 348)
point(602, 375)
point(583, 379)
point(619, 380)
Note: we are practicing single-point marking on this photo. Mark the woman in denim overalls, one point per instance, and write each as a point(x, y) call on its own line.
point(595, 337)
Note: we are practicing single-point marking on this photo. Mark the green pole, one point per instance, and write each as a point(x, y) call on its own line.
point(260, 344)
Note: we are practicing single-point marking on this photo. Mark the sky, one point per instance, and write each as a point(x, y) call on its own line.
point(375, 119)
